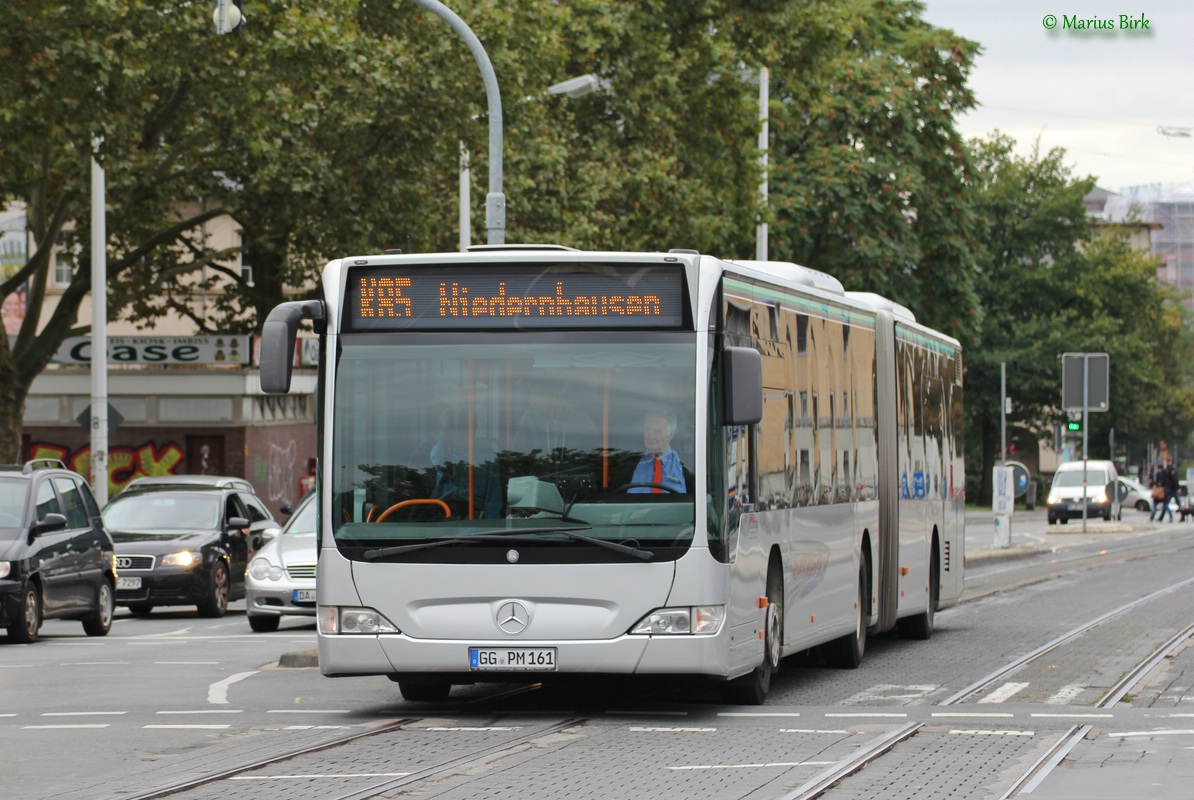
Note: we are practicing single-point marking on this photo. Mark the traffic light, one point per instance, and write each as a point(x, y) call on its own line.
point(1074, 426)
point(228, 16)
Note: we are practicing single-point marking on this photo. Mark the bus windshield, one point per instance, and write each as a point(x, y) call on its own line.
point(553, 441)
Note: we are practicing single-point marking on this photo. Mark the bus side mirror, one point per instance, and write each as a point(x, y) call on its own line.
point(277, 342)
point(743, 386)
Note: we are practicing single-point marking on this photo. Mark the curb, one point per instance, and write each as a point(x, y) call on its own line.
point(306, 658)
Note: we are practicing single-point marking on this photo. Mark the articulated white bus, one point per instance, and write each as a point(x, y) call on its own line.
point(538, 462)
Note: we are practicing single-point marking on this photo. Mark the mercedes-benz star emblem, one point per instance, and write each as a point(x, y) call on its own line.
point(513, 617)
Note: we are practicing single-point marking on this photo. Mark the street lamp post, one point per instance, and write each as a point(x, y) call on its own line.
point(495, 201)
point(99, 333)
point(573, 87)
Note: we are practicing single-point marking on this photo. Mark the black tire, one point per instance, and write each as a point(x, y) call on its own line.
point(24, 628)
point(751, 689)
point(140, 609)
point(424, 692)
point(920, 626)
point(1064, 520)
point(846, 652)
point(263, 623)
point(100, 622)
point(216, 603)
point(1142, 506)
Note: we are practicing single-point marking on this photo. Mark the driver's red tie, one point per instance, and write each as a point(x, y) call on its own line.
point(658, 474)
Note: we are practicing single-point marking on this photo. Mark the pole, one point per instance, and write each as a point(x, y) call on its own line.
point(495, 201)
point(466, 215)
point(1085, 432)
point(1003, 412)
point(764, 141)
point(99, 335)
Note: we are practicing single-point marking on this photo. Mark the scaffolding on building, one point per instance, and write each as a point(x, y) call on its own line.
point(1169, 207)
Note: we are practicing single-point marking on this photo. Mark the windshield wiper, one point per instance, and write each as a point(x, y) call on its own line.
point(510, 533)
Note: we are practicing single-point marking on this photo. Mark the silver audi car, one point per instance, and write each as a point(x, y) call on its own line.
point(281, 576)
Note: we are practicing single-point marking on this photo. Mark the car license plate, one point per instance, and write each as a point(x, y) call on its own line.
point(128, 583)
point(304, 595)
point(540, 659)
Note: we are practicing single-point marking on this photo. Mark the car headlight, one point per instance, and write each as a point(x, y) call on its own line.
point(339, 620)
point(688, 620)
point(1053, 499)
point(183, 558)
point(1101, 497)
point(261, 569)
point(5, 569)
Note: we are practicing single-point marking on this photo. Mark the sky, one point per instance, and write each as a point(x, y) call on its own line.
point(1100, 95)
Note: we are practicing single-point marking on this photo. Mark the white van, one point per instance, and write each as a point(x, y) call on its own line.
point(1066, 496)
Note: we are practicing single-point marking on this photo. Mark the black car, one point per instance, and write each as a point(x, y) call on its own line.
point(55, 555)
point(186, 542)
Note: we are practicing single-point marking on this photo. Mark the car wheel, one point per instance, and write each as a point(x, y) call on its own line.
point(216, 604)
point(28, 622)
point(100, 622)
point(264, 624)
point(1142, 506)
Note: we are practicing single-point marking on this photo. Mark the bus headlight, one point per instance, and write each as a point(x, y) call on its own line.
point(701, 620)
point(353, 621)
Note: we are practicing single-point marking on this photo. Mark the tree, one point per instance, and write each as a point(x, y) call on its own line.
point(869, 171)
point(1048, 285)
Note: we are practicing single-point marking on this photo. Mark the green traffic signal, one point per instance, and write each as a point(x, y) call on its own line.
point(1073, 426)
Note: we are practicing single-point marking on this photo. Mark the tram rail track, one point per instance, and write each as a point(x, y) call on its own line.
point(874, 750)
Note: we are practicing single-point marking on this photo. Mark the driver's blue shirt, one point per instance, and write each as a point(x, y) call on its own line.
point(673, 472)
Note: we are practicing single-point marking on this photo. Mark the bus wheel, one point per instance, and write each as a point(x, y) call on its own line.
point(424, 692)
point(847, 651)
point(921, 626)
point(751, 689)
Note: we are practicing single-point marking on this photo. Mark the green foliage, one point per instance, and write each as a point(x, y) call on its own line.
point(869, 170)
point(1049, 285)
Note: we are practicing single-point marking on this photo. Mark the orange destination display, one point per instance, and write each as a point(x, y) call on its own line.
point(516, 296)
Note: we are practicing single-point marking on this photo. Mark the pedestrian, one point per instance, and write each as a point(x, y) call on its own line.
point(1157, 492)
point(1171, 487)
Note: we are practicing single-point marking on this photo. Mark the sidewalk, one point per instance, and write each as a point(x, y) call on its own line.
point(1031, 533)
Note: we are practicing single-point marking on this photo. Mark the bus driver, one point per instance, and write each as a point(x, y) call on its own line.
point(660, 465)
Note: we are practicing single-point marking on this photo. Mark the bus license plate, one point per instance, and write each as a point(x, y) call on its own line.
point(304, 595)
point(542, 659)
point(128, 583)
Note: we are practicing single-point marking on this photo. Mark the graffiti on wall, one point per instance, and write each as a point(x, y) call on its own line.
point(283, 480)
point(124, 463)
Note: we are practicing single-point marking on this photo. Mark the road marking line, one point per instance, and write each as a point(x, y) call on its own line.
point(979, 714)
point(639, 729)
point(1004, 692)
point(1075, 715)
point(1126, 734)
point(758, 714)
point(461, 728)
point(206, 711)
point(993, 733)
point(1066, 695)
point(218, 692)
point(185, 727)
point(308, 711)
point(757, 766)
point(320, 775)
point(808, 730)
point(83, 713)
point(186, 663)
point(863, 714)
point(61, 727)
